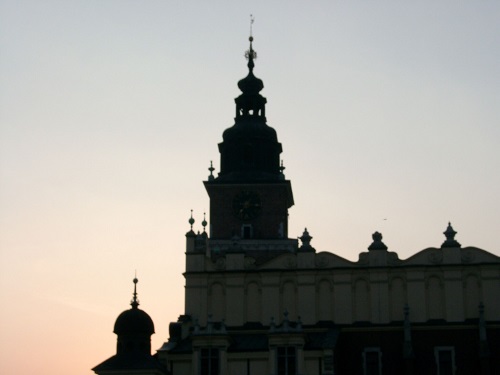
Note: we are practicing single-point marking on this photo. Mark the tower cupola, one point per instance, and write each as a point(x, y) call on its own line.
point(250, 150)
point(250, 103)
point(134, 328)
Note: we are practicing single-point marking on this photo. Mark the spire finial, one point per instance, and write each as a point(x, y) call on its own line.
point(135, 301)
point(450, 237)
point(211, 169)
point(306, 241)
point(191, 220)
point(204, 222)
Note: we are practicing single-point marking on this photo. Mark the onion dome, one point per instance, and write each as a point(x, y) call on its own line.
point(134, 321)
point(250, 85)
point(250, 104)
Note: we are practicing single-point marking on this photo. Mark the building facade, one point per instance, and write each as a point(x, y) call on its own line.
point(258, 302)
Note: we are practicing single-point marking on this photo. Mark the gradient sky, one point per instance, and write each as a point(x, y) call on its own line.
point(111, 111)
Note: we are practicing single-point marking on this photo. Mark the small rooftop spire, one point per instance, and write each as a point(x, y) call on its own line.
point(251, 54)
point(191, 220)
point(135, 301)
point(282, 168)
point(211, 169)
point(204, 222)
point(306, 241)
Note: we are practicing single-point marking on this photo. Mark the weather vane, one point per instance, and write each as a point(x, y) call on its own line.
point(251, 54)
point(252, 19)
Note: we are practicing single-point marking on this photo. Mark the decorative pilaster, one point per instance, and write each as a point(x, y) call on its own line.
point(408, 355)
point(484, 350)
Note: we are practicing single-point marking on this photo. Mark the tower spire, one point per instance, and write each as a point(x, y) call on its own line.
point(251, 54)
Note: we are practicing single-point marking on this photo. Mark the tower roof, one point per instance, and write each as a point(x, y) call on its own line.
point(250, 150)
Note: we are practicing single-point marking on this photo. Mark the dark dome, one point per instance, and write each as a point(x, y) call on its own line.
point(134, 321)
point(250, 84)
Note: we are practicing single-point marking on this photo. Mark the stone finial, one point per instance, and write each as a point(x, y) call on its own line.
point(377, 243)
point(450, 237)
point(204, 222)
point(282, 168)
point(191, 222)
point(306, 241)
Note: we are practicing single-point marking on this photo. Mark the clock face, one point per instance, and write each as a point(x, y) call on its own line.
point(246, 205)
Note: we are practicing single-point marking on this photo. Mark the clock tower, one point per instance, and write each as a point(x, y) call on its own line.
point(250, 197)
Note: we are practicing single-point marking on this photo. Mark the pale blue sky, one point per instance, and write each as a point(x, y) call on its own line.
point(111, 110)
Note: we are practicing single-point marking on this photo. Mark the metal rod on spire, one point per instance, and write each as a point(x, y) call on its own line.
point(135, 302)
point(251, 54)
point(252, 19)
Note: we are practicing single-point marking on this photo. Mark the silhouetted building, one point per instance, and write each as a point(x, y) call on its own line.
point(258, 302)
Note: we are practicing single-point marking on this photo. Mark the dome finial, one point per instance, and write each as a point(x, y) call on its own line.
point(191, 220)
point(204, 222)
point(211, 169)
point(282, 168)
point(135, 301)
point(450, 237)
point(377, 243)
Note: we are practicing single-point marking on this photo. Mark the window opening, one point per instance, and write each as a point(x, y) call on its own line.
point(209, 361)
point(287, 360)
point(372, 361)
point(445, 360)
